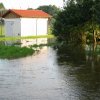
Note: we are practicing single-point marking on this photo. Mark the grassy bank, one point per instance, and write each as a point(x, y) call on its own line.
point(10, 52)
point(1, 30)
point(13, 51)
point(27, 37)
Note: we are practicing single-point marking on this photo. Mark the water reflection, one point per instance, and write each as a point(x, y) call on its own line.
point(84, 62)
point(68, 73)
point(27, 42)
point(79, 54)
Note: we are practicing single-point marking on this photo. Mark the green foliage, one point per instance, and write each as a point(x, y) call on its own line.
point(30, 9)
point(2, 6)
point(52, 10)
point(76, 19)
point(10, 52)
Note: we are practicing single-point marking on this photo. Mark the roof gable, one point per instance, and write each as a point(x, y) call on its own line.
point(28, 13)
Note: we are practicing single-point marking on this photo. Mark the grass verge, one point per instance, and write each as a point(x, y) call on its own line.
point(11, 52)
point(26, 37)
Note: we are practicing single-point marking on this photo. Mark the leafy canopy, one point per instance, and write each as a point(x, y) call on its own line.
point(2, 6)
point(77, 18)
point(51, 9)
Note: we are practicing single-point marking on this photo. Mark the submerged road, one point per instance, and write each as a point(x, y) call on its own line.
point(40, 77)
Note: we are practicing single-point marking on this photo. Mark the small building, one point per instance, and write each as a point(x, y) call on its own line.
point(26, 22)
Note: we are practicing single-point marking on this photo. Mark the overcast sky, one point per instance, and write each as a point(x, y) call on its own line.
point(24, 4)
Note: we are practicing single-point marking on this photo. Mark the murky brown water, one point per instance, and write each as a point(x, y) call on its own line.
point(60, 74)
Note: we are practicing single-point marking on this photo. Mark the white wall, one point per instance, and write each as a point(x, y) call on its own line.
point(33, 26)
point(42, 26)
point(13, 27)
point(26, 26)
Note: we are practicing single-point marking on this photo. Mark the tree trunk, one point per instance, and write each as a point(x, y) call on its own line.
point(83, 38)
point(94, 36)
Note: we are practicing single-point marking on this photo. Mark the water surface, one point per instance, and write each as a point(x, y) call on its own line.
point(61, 74)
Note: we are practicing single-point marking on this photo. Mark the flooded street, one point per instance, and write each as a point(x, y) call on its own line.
point(32, 78)
point(51, 75)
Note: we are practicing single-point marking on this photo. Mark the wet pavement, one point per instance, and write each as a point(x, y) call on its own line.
point(50, 75)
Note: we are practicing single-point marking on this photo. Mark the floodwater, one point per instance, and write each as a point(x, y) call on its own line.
point(52, 74)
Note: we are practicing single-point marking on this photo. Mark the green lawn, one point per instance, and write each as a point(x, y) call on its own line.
point(1, 30)
point(27, 37)
point(10, 52)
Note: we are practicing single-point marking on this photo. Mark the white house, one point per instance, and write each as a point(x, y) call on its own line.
point(26, 22)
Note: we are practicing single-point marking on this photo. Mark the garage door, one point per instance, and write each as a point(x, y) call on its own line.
point(9, 25)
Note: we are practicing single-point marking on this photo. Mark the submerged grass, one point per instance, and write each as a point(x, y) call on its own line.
point(42, 45)
point(10, 52)
point(13, 51)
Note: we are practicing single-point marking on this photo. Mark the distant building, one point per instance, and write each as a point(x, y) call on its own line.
point(26, 22)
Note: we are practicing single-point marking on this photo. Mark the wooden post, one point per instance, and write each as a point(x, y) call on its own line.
point(94, 36)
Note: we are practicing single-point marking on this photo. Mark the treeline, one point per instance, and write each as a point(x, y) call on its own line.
point(2, 9)
point(79, 21)
point(2, 6)
point(52, 10)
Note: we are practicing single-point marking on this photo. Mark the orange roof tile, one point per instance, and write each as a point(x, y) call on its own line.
point(28, 13)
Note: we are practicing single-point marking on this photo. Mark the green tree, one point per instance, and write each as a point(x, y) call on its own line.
point(52, 10)
point(77, 19)
point(2, 9)
point(67, 22)
point(29, 8)
point(2, 6)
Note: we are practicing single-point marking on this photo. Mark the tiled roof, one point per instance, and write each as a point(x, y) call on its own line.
point(28, 13)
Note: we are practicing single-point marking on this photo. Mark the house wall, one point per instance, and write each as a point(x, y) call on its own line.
point(13, 27)
point(34, 26)
point(26, 26)
point(42, 26)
